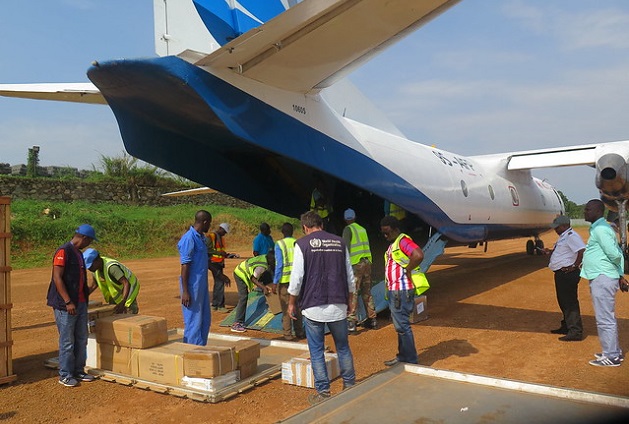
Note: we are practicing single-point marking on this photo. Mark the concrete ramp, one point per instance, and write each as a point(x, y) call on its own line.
point(416, 394)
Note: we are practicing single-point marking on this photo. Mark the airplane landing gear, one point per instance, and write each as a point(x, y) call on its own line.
point(534, 247)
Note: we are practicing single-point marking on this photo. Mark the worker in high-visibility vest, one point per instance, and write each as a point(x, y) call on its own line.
point(215, 242)
point(357, 241)
point(401, 268)
point(321, 204)
point(284, 249)
point(247, 275)
point(116, 282)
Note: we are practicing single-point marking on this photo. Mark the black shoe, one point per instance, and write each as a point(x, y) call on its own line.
point(570, 338)
point(371, 323)
point(351, 326)
point(560, 330)
point(391, 362)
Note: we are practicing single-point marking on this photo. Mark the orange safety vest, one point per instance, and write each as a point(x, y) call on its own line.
point(219, 245)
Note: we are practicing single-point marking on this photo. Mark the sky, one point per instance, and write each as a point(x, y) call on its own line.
point(487, 76)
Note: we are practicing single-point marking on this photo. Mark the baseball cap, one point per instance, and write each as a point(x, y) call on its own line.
point(349, 214)
point(224, 226)
point(87, 230)
point(89, 256)
point(560, 220)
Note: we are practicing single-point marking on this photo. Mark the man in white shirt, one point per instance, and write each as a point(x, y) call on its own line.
point(322, 287)
point(565, 262)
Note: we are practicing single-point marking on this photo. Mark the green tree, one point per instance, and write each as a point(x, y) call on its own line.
point(32, 161)
point(572, 209)
point(127, 168)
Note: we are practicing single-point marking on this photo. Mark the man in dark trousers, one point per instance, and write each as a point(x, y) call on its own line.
point(68, 295)
point(565, 262)
point(322, 287)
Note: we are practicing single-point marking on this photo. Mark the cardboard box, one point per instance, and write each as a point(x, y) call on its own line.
point(273, 300)
point(118, 359)
point(209, 361)
point(298, 371)
point(96, 312)
point(246, 350)
point(137, 331)
point(247, 369)
point(419, 311)
point(162, 364)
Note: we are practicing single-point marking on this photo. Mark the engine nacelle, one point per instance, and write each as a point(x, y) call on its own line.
point(612, 174)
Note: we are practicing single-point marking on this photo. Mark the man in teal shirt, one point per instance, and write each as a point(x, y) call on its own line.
point(603, 266)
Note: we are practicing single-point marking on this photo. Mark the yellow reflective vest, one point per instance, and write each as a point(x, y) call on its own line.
point(420, 282)
point(113, 290)
point(359, 245)
point(245, 269)
point(287, 247)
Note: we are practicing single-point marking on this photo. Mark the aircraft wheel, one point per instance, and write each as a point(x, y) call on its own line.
point(530, 247)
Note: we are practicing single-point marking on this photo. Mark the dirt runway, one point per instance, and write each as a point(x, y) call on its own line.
point(489, 314)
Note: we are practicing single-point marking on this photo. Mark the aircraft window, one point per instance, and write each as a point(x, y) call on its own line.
point(515, 199)
point(464, 188)
point(543, 200)
point(491, 192)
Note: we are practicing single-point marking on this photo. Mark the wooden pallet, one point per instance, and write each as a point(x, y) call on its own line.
point(6, 341)
point(191, 393)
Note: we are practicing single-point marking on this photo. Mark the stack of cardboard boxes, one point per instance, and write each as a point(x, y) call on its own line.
point(138, 346)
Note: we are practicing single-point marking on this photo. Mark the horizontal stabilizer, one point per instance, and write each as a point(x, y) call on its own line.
point(66, 92)
point(316, 43)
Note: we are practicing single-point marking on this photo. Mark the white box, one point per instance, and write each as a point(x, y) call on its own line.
point(298, 371)
point(211, 384)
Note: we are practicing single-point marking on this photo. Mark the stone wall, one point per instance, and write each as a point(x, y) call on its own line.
point(76, 189)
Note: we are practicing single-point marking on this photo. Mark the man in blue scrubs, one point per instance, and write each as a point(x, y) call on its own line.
point(195, 297)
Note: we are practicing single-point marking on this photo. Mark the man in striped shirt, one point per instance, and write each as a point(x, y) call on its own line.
point(401, 258)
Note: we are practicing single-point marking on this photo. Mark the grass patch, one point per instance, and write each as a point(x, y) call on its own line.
point(124, 232)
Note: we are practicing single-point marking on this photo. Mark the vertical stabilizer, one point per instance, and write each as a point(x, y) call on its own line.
point(178, 27)
point(205, 25)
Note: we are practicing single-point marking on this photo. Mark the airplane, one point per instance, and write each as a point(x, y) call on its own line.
point(251, 99)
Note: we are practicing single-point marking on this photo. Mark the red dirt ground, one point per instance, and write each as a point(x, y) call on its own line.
point(489, 314)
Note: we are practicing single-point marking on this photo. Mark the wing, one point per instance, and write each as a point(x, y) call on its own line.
point(190, 192)
point(70, 92)
point(586, 154)
point(315, 43)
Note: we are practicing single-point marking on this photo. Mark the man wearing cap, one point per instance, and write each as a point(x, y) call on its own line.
point(68, 295)
point(355, 237)
point(217, 254)
point(565, 262)
point(118, 284)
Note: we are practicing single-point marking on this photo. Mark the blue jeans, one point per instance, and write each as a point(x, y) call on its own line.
point(603, 290)
point(401, 304)
point(315, 334)
point(72, 340)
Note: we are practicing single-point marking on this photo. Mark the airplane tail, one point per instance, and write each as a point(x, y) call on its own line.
point(205, 25)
